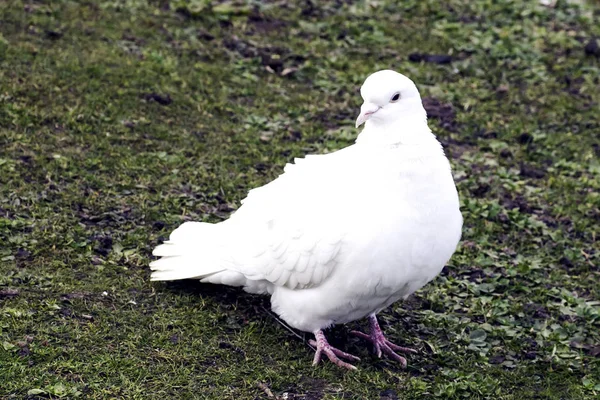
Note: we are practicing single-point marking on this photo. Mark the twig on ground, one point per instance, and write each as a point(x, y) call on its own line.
point(289, 328)
point(265, 388)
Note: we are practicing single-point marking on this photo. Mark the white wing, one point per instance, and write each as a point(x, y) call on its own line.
point(293, 228)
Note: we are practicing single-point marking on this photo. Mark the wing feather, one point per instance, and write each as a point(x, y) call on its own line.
point(294, 224)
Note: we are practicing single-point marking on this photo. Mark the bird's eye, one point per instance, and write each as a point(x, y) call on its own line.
point(395, 98)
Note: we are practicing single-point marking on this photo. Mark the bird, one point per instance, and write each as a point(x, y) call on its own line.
point(341, 236)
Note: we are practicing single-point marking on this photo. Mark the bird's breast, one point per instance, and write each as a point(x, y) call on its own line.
point(403, 233)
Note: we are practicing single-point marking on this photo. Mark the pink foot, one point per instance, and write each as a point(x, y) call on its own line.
point(381, 344)
point(331, 352)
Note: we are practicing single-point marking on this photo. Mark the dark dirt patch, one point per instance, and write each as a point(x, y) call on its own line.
point(158, 225)
point(229, 346)
point(278, 59)
point(537, 311)
point(23, 254)
point(592, 48)
point(510, 203)
point(333, 119)
point(430, 58)
point(388, 394)
point(162, 99)
point(265, 24)
point(506, 153)
point(315, 391)
point(481, 190)
point(525, 138)
point(53, 34)
point(104, 245)
point(566, 263)
point(529, 171)
point(116, 217)
point(24, 351)
point(311, 9)
point(496, 359)
point(8, 293)
point(204, 35)
point(70, 296)
point(594, 351)
point(443, 112)
point(128, 36)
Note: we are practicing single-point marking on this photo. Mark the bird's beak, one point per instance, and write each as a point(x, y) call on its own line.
point(366, 111)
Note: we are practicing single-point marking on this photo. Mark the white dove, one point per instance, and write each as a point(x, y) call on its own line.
point(339, 236)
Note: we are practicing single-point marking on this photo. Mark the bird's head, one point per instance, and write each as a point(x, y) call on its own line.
point(389, 96)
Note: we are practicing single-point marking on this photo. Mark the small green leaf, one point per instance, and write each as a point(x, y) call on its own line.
point(8, 346)
point(58, 390)
point(478, 335)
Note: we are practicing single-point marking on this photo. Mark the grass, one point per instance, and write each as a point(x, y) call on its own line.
point(119, 120)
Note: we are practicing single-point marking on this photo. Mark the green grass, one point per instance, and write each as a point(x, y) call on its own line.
point(119, 120)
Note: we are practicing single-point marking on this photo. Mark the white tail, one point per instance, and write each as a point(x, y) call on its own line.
point(193, 251)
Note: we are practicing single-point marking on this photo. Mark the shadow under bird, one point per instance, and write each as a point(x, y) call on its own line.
point(340, 236)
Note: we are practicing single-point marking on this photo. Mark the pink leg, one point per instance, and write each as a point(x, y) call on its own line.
point(381, 344)
point(331, 352)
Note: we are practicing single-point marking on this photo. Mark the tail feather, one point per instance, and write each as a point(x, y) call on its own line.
point(167, 249)
point(184, 256)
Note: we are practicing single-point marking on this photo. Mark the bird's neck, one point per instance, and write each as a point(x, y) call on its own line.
point(407, 129)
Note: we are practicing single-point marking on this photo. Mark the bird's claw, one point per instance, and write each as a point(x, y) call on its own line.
point(334, 355)
point(382, 345)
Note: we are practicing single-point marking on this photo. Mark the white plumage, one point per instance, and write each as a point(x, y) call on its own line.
point(340, 236)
